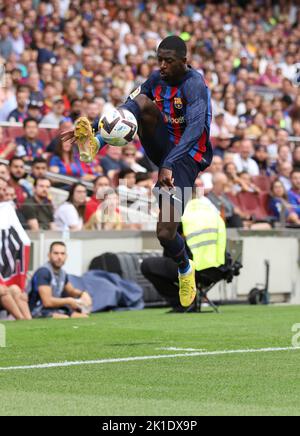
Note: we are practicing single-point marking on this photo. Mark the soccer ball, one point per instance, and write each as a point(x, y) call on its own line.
point(118, 127)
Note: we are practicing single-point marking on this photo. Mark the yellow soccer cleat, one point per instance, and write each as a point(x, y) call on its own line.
point(87, 144)
point(187, 287)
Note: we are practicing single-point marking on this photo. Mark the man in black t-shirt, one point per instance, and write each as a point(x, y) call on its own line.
point(38, 210)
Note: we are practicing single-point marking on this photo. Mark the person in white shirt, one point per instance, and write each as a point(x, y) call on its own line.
point(243, 159)
point(70, 215)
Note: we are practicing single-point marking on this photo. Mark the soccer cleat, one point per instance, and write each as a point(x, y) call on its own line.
point(187, 287)
point(87, 143)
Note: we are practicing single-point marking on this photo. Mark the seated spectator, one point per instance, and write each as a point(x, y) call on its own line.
point(207, 176)
point(129, 159)
point(101, 184)
point(223, 143)
point(20, 114)
point(247, 184)
point(108, 215)
point(18, 180)
point(279, 204)
point(38, 210)
point(294, 193)
point(29, 146)
point(243, 159)
point(217, 196)
point(35, 111)
point(57, 114)
point(65, 124)
point(284, 175)
point(112, 163)
point(39, 168)
point(126, 185)
point(70, 215)
point(51, 295)
point(15, 302)
point(261, 157)
point(66, 163)
point(4, 172)
point(235, 183)
point(7, 147)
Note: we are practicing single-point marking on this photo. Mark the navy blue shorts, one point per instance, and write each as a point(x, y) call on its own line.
point(185, 171)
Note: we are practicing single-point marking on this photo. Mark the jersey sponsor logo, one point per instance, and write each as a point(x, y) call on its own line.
point(135, 93)
point(178, 103)
point(171, 120)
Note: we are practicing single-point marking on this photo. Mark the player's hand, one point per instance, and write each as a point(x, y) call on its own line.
point(165, 179)
point(86, 299)
point(68, 135)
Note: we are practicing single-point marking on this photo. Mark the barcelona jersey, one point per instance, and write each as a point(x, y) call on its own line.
point(186, 109)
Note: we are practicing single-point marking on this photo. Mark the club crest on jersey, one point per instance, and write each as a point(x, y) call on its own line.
point(178, 103)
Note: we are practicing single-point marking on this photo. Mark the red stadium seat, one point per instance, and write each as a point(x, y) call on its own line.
point(234, 199)
point(262, 182)
point(253, 204)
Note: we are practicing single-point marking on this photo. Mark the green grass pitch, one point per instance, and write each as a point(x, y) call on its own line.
point(230, 384)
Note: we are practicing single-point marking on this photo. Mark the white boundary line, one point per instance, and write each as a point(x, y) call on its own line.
point(141, 358)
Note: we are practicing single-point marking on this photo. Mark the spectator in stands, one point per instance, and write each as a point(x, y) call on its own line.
point(7, 147)
point(243, 159)
point(4, 172)
point(39, 168)
point(15, 302)
point(101, 184)
point(18, 180)
point(284, 175)
point(57, 113)
point(235, 183)
point(108, 215)
point(29, 146)
point(129, 159)
point(207, 176)
point(38, 210)
point(112, 163)
point(20, 114)
point(294, 193)
point(66, 163)
point(6, 47)
point(248, 185)
point(126, 185)
point(70, 215)
point(261, 157)
point(223, 143)
point(51, 294)
point(280, 206)
point(217, 196)
point(64, 125)
point(35, 111)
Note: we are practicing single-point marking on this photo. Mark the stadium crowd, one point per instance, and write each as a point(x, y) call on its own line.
point(70, 58)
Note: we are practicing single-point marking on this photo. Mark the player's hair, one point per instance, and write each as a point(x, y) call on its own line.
point(174, 43)
point(62, 244)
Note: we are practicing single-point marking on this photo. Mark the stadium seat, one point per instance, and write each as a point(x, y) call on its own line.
point(234, 199)
point(254, 205)
point(262, 182)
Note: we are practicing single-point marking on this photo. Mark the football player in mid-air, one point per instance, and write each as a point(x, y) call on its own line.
point(173, 112)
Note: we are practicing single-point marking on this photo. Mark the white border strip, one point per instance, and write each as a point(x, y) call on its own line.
point(143, 358)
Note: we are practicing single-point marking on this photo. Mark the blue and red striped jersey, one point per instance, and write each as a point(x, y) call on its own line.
point(186, 109)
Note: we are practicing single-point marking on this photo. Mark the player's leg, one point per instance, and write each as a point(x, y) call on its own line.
point(21, 300)
point(152, 130)
point(8, 304)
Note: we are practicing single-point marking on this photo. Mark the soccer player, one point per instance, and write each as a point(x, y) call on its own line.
point(173, 112)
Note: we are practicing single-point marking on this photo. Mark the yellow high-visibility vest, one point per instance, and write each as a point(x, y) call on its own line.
point(205, 233)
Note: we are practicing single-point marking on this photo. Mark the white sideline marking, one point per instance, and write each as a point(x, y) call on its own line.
point(180, 349)
point(141, 358)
